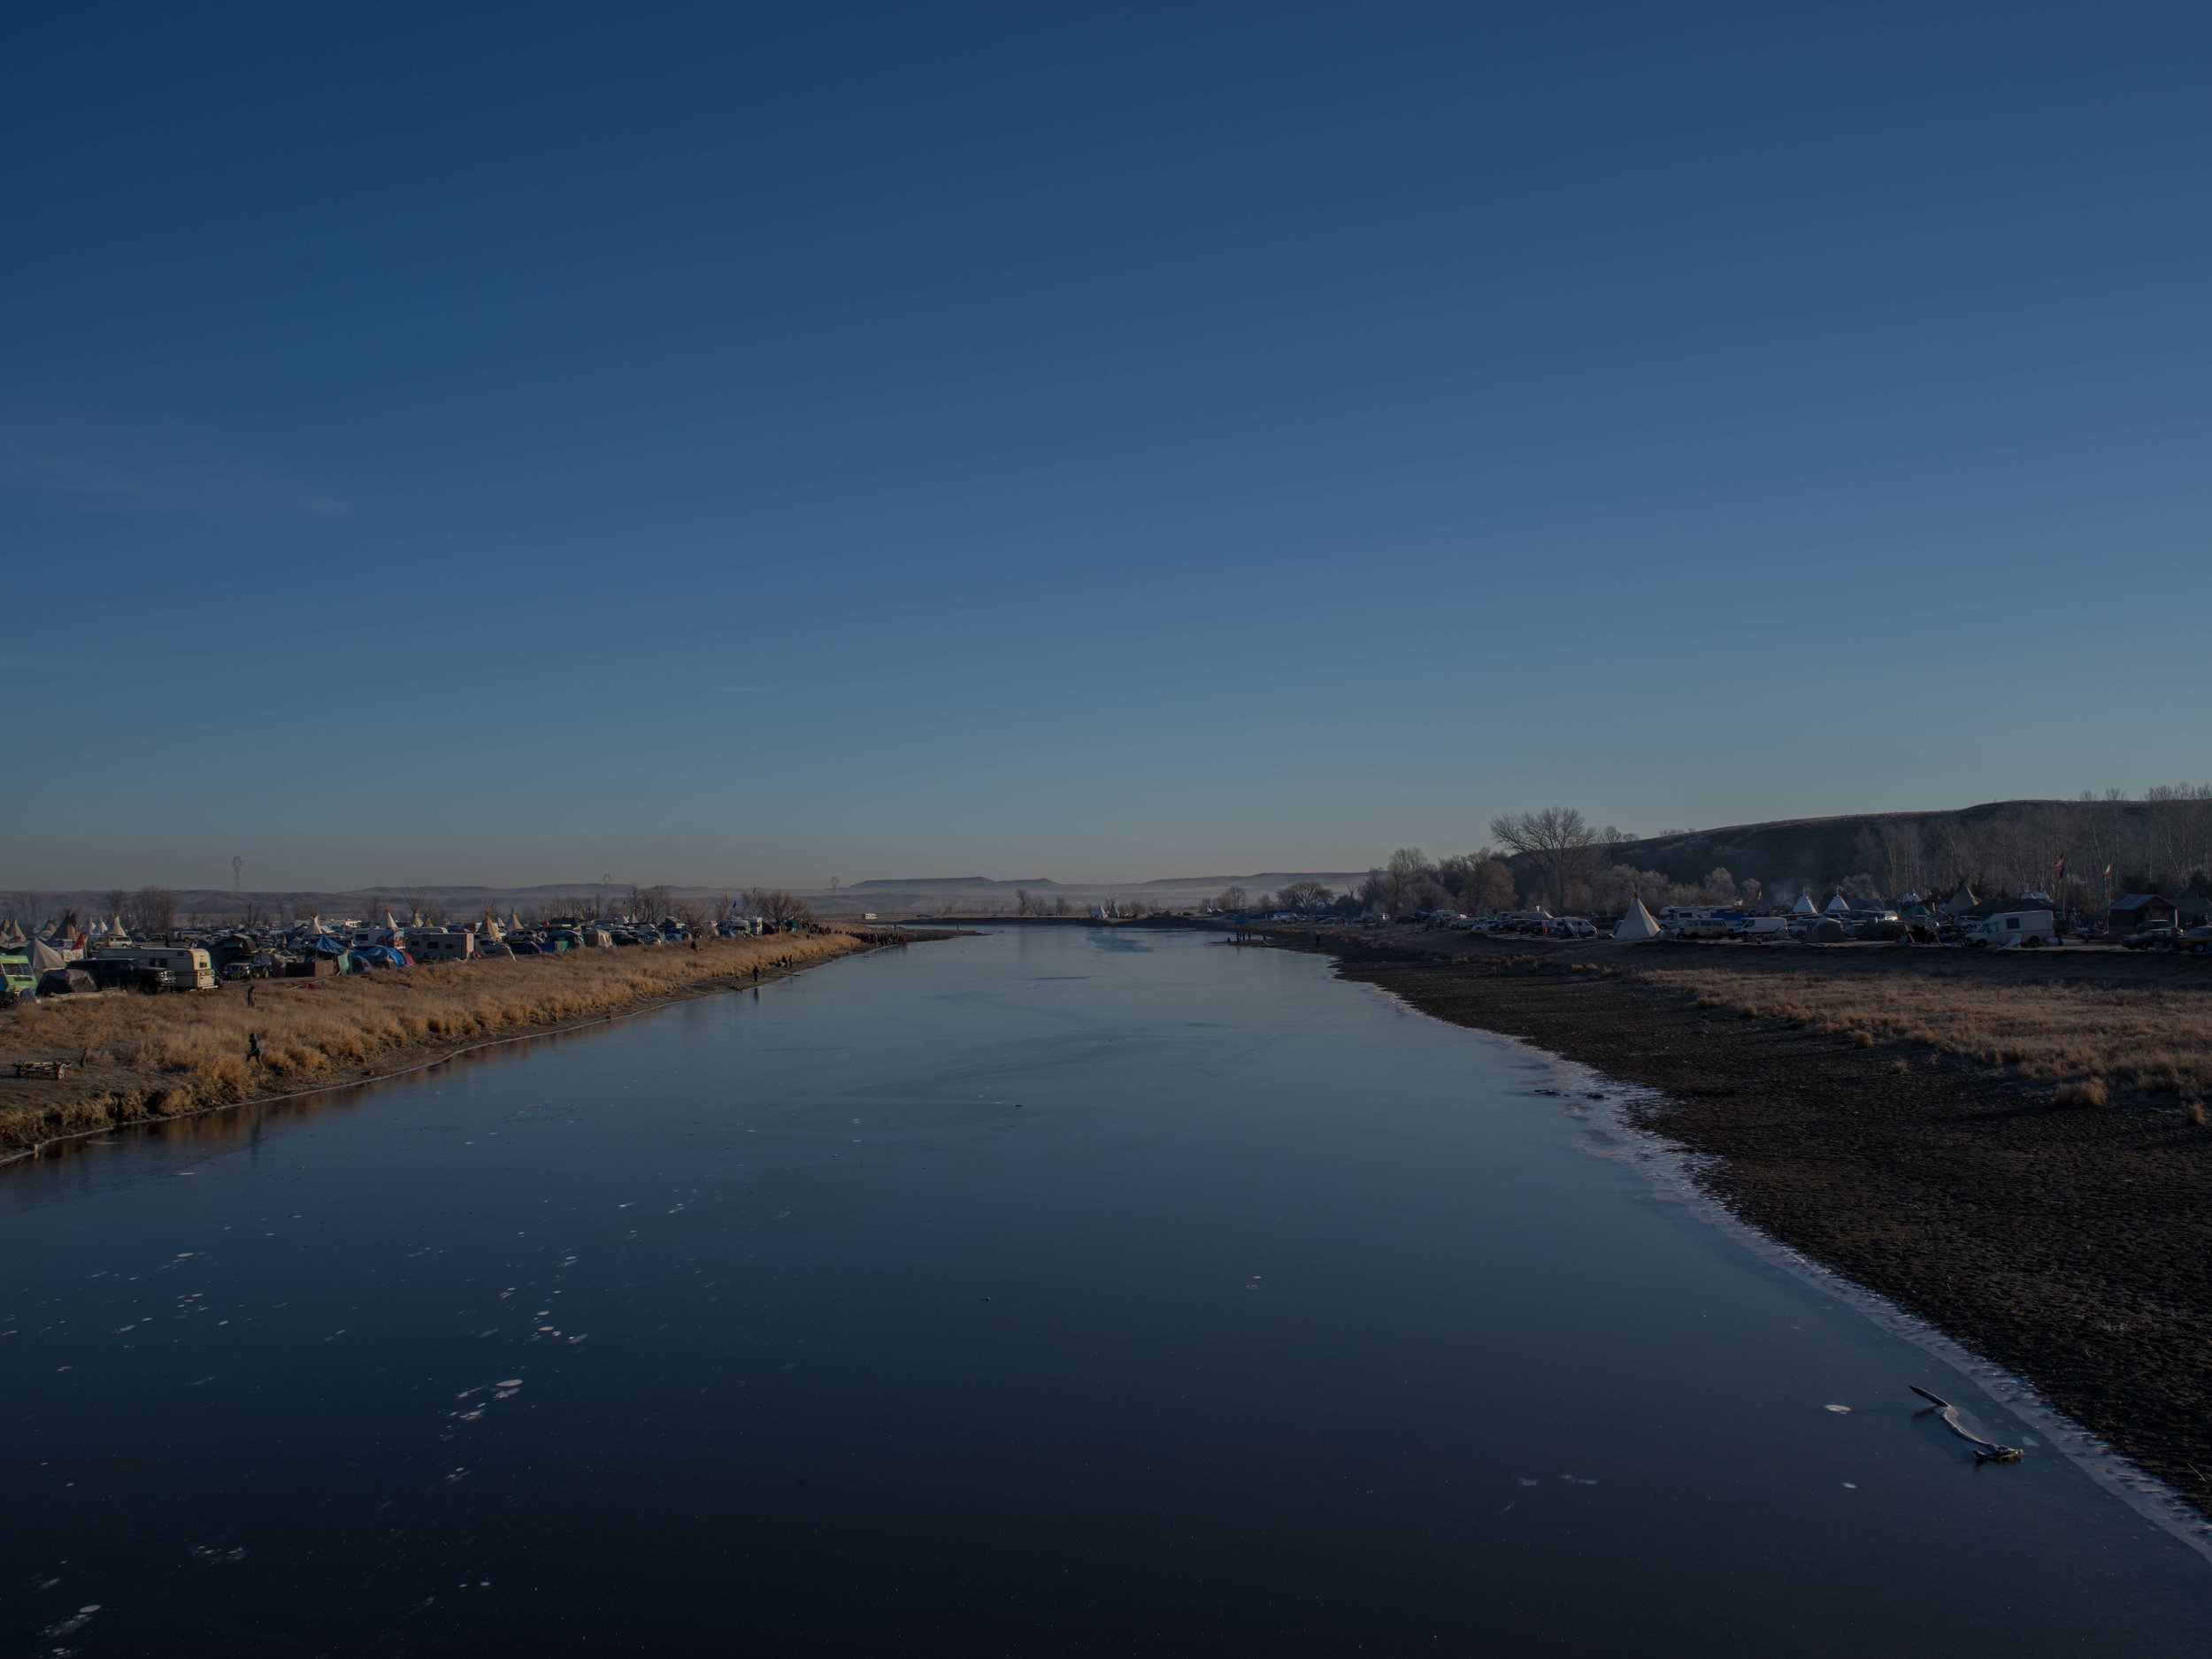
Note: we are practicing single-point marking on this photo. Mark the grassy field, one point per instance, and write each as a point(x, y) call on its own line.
point(135, 1057)
point(2084, 1036)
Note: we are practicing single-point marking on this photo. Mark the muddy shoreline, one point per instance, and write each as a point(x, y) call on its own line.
point(2070, 1245)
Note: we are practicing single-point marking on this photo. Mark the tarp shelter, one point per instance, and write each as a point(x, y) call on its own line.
point(63, 981)
point(1838, 904)
point(1638, 923)
point(1961, 902)
point(1804, 906)
point(1825, 932)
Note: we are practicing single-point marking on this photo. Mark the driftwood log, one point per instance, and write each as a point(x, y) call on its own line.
point(1985, 1451)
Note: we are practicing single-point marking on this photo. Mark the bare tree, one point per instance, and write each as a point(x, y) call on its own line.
point(777, 906)
point(1231, 899)
point(1305, 896)
point(1558, 840)
point(154, 910)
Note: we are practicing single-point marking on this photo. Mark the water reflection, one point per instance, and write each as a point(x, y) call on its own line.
point(1064, 1289)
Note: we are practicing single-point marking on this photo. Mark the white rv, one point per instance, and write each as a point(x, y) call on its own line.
point(2015, 927)
point(181, 967)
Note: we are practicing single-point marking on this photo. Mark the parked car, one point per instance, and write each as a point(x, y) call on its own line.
point(2152, 936)
point(2197, 939)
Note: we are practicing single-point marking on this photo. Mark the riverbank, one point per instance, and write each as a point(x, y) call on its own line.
point(139, 1059)
point(1857, 1107)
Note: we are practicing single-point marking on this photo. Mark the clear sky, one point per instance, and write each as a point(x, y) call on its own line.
point(718, 443)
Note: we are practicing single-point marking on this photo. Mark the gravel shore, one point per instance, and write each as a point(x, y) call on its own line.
point(2071, 1244)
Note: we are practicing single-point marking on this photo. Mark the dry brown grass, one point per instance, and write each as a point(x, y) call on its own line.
point(143, 1057)
point(2156, 1038)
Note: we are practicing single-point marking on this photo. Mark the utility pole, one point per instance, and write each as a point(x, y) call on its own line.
point(237, 874)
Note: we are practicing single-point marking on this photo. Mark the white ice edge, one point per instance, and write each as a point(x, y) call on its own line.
point(1603, 1105)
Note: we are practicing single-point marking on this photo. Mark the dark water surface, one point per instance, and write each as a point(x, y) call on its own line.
point(1058, 1292)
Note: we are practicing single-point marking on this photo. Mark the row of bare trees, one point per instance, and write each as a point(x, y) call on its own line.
point(2079, 851)
point(2161, 843)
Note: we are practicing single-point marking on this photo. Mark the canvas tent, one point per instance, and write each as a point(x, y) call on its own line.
point(1961, 902)
point(1638, 923)
point(45, 958)
point(1838, 904)
point(1804, 906)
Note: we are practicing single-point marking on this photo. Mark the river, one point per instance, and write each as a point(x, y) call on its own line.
point(1063, 1290)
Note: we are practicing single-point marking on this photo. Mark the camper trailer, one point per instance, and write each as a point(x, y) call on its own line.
point(445, 944)
point(171, 967)
point(2015, 927)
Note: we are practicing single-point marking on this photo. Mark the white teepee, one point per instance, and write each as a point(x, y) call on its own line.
point(1838, 904)
point(1804, 906)
point(1637, 924)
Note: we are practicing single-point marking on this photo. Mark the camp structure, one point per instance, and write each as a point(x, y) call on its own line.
point(1638, 923)
point(1838, 904)
point(1804, 906)
point(1961, 902)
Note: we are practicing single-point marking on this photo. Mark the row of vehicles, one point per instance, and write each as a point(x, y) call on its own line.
point(245, 954)
point(2167, 936)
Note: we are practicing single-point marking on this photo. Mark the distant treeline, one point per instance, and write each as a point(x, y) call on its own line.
point(2080, 852)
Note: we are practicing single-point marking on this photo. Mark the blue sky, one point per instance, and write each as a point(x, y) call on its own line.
point(725, 444)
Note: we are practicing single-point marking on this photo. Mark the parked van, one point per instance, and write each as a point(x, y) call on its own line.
point(1760, 927)
point(2025, 928)
point(172, 967)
